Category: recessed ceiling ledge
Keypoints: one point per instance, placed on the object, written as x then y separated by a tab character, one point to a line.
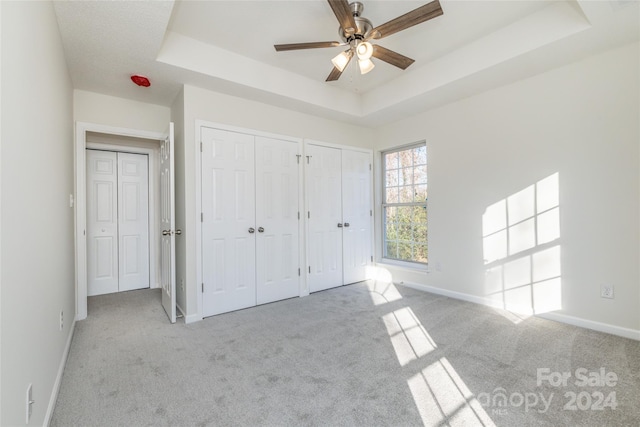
553	23
194	55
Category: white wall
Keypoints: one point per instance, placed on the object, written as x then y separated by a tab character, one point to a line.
200	104
108	110
580	121
0	213
37	223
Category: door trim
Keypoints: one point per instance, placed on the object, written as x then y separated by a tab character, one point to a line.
80	211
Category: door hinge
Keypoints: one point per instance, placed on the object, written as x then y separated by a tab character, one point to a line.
308	157
371	258
298	157
369	166
201	216
309	269
203	287
370	212
201	146
298	271
309	214
298	215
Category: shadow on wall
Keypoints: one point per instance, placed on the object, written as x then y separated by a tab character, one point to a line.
521	246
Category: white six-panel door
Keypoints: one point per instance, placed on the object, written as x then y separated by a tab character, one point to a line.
324	217
117	222
133	222
277	255
228	223
102	222
250	237
356	214
168	225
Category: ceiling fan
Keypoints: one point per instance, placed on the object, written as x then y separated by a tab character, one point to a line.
356	31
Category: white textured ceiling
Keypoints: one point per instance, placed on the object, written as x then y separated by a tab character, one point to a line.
228	46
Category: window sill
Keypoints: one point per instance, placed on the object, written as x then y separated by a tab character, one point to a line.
409	266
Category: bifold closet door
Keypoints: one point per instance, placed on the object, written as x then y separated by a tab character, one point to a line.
228	221
102	222
277	255
133	221
324	216
117	222
356	215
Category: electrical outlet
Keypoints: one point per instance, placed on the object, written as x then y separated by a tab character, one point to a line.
61	319
29	403
606	291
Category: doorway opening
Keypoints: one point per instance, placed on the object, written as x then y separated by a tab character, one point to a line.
112	140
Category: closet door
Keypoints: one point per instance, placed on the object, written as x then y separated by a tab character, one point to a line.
324	217
133	221
102	222
228	229
356	215
277	254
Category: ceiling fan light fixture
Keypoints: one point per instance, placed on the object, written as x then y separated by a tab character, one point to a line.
341	60
364	50
366	65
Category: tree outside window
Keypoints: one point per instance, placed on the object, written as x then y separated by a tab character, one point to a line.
405	204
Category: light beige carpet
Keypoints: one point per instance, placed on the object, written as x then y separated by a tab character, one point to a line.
365	354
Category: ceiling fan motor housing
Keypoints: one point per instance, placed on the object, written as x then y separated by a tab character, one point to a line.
363	25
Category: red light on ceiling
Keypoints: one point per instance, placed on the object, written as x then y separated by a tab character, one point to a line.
140	80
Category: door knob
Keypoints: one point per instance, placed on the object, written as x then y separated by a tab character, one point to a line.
346	224
178	231
251	230
339	225
166	232
260	230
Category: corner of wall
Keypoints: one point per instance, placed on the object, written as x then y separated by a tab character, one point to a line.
33	343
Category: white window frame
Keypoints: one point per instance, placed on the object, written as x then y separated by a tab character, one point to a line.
384	205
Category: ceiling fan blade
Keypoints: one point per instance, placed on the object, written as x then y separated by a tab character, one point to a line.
415	17
343	12
391	57
311	45
334	75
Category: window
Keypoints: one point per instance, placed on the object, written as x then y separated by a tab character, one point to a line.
405	204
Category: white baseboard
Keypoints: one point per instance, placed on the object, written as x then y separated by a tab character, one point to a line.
192	318
58	381
633	334
187	319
